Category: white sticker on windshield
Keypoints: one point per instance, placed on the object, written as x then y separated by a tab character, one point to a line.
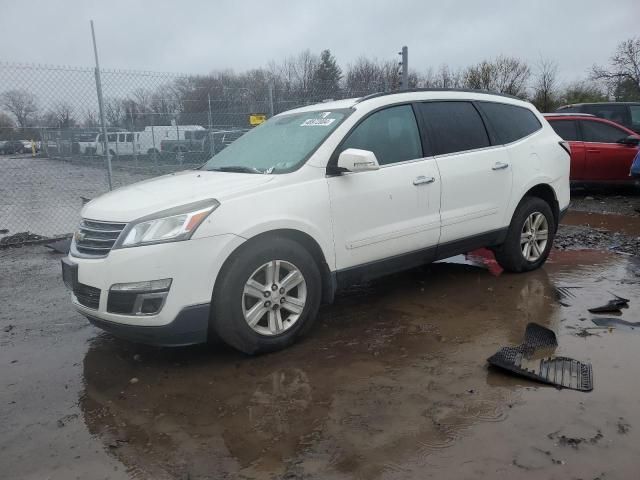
318	122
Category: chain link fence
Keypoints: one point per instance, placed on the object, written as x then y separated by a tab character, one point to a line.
53	154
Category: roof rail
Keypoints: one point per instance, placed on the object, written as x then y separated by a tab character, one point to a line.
411	90
568	114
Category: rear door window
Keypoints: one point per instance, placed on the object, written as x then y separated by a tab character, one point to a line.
454	126
129	137
121	137
600	132
510	122
392	134
567	129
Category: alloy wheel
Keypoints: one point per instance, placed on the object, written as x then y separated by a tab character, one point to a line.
534	236
274	297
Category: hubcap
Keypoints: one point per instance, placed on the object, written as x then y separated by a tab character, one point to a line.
534	236
274	297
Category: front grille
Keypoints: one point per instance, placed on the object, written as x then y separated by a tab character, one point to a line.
87	296
95	238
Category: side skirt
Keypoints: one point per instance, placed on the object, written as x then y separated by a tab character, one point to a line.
379	268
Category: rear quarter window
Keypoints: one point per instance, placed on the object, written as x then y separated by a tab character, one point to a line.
566	129
510	122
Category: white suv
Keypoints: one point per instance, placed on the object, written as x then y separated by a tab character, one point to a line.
248	246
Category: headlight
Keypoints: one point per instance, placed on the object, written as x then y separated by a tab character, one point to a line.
170	225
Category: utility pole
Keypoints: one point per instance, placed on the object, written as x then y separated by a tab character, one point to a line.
101	108
404	83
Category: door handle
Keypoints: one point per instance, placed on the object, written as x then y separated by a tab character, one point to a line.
422	180
592	150
499	166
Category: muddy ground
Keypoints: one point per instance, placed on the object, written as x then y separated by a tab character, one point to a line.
391	382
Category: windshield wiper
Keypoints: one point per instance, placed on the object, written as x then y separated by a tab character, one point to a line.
237	169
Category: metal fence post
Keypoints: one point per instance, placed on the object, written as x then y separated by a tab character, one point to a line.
133	141
101	108
212	151
271	112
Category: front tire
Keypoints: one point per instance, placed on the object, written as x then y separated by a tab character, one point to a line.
267	296
529	238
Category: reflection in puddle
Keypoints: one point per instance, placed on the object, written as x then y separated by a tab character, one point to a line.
390	374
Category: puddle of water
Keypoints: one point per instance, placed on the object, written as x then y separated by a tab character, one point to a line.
610	222
390	383
392	379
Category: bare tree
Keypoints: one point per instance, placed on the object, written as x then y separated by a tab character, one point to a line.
90	118
367	76
443	77
64	114
503	75
21	103
581	92
623	71
6	126
298	72
545	85
114	111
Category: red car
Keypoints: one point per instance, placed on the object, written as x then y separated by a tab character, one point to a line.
601	150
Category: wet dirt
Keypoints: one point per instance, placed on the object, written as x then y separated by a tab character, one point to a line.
391	382
613	200
626	224
592	230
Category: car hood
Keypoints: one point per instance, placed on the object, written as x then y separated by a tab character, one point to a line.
150	196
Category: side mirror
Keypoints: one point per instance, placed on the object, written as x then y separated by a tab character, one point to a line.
631	141
356	160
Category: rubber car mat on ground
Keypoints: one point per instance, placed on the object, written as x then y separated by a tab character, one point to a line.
614	305
562	372
536	336
613	322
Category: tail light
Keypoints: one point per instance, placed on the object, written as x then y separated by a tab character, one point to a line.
566	146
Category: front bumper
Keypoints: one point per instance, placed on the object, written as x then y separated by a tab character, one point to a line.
190	327
192	265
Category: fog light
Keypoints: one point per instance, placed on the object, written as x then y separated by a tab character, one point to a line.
148	286
138	298
151	305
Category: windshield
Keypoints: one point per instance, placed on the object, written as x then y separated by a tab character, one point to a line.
279	145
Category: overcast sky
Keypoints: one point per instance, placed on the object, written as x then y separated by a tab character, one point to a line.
203	36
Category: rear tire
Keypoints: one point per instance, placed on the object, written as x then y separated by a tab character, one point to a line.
236	303
529	238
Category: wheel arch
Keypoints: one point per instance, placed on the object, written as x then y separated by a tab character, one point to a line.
548	194
304	240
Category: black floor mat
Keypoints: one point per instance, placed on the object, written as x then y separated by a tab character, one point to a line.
60	246
562	372
612	306
617	323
